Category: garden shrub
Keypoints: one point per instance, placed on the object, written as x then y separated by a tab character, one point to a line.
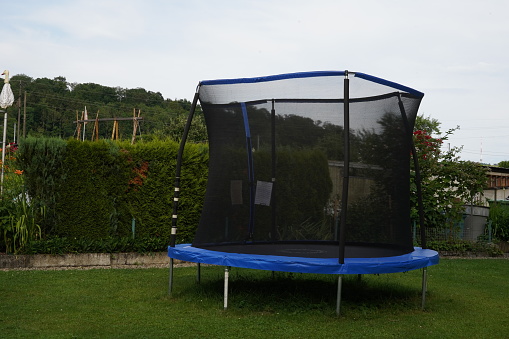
41	160
94	190
499	216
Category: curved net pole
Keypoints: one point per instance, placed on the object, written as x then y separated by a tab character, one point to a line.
178	168
417	171
346	168
176	194
250	169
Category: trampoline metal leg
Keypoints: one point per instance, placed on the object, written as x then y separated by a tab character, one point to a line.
424	286
226	276
338	298
170	283
198	273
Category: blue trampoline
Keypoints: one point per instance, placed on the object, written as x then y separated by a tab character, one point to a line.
308	172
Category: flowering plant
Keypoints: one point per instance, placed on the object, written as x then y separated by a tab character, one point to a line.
448	183
17	216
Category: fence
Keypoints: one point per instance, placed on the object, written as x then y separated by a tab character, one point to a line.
474	226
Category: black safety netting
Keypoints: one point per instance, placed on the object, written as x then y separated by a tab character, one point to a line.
277	165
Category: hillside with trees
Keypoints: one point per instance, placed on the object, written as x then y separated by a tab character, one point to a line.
52	106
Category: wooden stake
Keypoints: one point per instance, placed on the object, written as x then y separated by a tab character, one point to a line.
138	123
78	137
96	128
135	125
114	133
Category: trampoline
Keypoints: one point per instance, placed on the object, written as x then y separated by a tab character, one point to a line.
309	173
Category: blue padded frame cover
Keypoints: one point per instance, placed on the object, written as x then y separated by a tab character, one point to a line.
417	259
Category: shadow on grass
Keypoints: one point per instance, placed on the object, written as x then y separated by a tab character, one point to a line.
255	291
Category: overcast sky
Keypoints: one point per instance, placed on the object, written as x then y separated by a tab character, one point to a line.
455	51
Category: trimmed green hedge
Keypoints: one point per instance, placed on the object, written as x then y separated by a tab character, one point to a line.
56	245
94	189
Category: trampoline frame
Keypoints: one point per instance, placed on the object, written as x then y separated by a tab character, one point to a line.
420	258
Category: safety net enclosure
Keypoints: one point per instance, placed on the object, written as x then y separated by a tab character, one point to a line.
307	166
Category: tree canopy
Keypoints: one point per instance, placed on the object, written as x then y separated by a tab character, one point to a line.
504	164
53	106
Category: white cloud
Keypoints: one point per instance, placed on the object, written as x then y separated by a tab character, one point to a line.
454	51
116	20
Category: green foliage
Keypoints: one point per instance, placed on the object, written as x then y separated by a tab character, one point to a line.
428	124
93	190
499	216
302	191
95	179
150	195
63	245
52	106
464	247
42	162
504	164
174	128
22	226
18	215
448	183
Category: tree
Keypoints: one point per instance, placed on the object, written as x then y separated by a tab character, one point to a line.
448	183
94	93
504	164
53	105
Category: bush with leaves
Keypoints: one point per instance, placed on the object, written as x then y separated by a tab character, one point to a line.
94	190
18	215
499	216
448	183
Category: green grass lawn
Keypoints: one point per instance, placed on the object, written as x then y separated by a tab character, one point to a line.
468	298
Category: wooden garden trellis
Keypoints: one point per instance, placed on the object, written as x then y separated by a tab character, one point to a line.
115	134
